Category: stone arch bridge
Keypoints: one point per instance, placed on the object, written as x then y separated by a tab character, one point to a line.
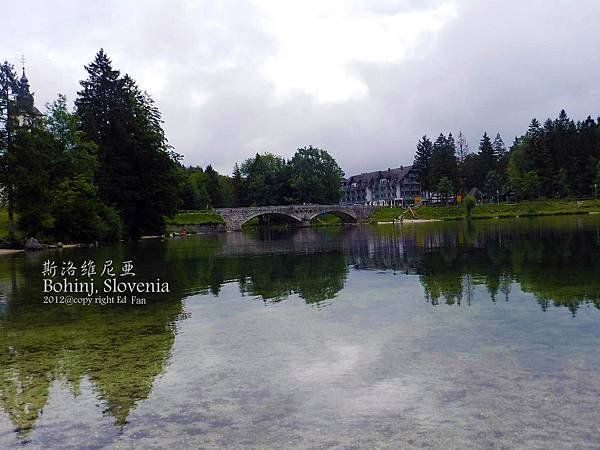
299	214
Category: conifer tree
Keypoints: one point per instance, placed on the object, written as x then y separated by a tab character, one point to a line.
8	84
238	186
487	155
587	156
443	160
499	147
422	162
137	168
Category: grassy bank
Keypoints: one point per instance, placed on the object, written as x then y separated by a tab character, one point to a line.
196	218
326	220
521	209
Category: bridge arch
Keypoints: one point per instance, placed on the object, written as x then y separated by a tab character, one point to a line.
290	218
344	216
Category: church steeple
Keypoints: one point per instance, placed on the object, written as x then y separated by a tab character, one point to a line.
24	100
24	82
24	97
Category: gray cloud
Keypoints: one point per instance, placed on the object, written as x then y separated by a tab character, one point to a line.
486	66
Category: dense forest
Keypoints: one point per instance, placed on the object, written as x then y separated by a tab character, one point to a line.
558	159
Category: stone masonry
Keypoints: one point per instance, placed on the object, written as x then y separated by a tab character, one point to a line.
301	214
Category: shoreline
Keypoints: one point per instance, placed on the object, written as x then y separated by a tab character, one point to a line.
10	251
499	216
396	222
491	211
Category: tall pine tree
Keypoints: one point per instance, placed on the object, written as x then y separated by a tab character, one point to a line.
487	156
422	162
443	160
137	169
499	147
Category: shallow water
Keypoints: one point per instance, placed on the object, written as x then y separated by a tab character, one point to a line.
437	335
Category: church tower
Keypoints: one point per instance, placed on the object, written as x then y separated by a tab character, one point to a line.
26	111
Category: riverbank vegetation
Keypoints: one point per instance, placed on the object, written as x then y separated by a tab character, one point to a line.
326	220
195	218
485	211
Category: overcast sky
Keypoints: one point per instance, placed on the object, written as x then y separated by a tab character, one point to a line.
362	79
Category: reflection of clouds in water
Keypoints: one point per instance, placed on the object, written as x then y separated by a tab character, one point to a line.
391	395
307	377
335	361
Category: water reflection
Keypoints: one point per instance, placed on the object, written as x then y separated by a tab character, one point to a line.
556	259
122	350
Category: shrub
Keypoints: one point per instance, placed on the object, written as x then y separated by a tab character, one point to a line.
469	203
111	228
80	216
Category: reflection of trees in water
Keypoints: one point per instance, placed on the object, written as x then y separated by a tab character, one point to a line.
553	258
120	349
314	277
121	356
270	265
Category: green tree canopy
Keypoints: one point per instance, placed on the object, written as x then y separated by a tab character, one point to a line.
493	183
266	180
443	160
315	176
445	188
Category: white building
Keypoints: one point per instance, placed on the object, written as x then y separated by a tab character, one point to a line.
391	187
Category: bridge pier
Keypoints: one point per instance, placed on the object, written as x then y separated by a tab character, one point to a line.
233	226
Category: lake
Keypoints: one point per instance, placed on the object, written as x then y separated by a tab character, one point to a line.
432	335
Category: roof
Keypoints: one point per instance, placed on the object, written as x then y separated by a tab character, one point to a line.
366	177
